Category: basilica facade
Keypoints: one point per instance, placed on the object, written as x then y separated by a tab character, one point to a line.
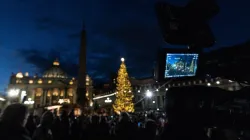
50	90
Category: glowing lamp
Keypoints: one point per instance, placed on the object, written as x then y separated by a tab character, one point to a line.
149	94
108	100
218	82
13	92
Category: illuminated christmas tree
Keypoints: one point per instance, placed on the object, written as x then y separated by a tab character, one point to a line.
124	95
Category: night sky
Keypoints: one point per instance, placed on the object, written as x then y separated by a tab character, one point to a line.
35	32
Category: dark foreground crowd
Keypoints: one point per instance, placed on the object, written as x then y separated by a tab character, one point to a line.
17	124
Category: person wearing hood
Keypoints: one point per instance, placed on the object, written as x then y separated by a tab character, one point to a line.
43	131
12	122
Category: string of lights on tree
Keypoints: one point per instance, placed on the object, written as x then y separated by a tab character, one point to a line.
124	95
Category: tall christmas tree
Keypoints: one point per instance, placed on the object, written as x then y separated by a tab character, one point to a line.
124	95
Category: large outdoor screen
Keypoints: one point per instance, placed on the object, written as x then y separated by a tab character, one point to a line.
180	65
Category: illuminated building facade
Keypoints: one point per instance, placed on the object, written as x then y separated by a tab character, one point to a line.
53	88
158	90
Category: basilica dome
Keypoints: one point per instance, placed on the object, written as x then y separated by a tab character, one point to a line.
55	71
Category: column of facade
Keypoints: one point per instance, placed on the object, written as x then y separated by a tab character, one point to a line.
41	98
51	95
74	96
143	103
44	97
161	101
156	101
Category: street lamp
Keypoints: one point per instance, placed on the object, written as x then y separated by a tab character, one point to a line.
2	99
29	102
13	92
23	94
108	100
149	94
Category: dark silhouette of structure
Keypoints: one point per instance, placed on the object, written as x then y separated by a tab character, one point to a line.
81	87
187	25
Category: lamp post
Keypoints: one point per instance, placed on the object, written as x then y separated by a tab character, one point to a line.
29	102
13	92
108	100
13	95
149	94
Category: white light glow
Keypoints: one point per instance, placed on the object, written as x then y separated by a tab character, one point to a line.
108	100
122	59
218	82
2	99
149	93
61	101
29	102
153	102
158	109
19	75
23	93
208	84
230	81
104	96
91	104
138	91
54	107
13	92
157	89
166	89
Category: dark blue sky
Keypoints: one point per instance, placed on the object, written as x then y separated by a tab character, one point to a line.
34	32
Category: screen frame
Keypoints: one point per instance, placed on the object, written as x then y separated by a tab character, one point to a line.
183	76
161	63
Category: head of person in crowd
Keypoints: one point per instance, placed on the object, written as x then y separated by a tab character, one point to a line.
15	114
95	119
47	119
124	117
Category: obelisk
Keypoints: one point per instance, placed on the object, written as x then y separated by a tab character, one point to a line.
81	87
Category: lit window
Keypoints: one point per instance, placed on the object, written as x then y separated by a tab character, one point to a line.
30	81
38	94
55	93
87	78
26	74
40	81
62	93
49	82
70	94
18	81
71	82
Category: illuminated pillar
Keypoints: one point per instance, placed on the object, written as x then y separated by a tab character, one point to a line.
81	87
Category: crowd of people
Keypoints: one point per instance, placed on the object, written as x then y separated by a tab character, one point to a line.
16	123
